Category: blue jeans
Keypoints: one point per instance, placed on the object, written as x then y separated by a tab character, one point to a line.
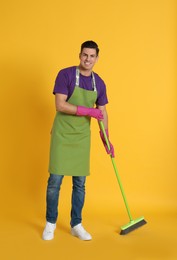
78	197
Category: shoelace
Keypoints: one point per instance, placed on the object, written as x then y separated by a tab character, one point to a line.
50	228
82	229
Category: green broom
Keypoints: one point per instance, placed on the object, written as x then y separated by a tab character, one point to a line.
134	223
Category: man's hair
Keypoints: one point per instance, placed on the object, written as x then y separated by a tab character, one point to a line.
91	45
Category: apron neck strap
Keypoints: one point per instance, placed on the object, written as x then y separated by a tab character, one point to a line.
93	79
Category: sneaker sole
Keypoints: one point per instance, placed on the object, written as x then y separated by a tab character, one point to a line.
75	235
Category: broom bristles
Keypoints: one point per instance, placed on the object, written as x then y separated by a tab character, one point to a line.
132	227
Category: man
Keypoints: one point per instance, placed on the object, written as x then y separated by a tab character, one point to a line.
77	89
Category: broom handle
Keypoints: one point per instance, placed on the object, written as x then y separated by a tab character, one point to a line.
116	171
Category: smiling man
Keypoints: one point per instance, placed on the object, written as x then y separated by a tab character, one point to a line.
88	58
80	94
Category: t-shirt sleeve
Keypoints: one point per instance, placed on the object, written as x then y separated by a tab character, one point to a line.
102	95
61	83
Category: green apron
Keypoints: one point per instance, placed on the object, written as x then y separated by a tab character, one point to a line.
70	138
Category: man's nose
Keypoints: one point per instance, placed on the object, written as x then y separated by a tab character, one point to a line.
88	58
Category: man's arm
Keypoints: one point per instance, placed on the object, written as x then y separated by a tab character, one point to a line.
105	123
63	106
105	116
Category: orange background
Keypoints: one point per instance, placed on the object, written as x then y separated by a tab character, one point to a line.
137	41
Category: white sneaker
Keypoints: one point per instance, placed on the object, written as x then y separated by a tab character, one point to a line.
80	232
48	233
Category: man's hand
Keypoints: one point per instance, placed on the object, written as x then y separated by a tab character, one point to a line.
92	112
111	151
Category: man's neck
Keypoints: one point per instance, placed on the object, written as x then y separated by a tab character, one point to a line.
85	72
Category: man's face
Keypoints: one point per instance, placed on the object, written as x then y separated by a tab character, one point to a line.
88	58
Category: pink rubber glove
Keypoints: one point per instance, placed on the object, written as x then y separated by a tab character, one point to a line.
92	112
111	151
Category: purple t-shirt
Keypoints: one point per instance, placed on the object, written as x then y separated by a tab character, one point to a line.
66	80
